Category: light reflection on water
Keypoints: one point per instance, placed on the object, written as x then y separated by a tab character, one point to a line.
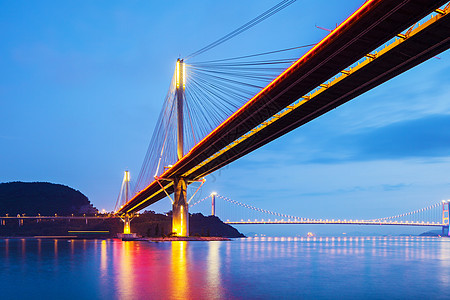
260	267
179	278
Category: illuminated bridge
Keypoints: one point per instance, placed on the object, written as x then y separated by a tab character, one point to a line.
238	213
218	111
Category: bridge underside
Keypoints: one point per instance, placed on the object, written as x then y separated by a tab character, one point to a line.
373	24
400	57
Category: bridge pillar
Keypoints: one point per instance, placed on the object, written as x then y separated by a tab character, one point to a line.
213	204
445	212
445	217
180	84
127	235
126	224
180	209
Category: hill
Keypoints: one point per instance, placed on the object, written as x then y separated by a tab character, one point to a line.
151	224
434	233
200	225
32	198
148	224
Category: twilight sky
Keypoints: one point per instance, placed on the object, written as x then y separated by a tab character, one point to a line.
82	84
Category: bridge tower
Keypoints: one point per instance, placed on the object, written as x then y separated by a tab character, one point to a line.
213	203
126	190
445	217
123	198
180	209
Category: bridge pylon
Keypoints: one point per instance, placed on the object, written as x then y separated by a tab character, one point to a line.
180	207
123	198
213	203
445	217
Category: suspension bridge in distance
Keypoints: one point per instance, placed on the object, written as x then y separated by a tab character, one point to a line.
379	41
435	215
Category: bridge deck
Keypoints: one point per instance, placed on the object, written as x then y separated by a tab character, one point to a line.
369	27
423	43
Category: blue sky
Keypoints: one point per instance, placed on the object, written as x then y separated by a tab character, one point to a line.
82	84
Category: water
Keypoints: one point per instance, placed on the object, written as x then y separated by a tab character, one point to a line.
253	268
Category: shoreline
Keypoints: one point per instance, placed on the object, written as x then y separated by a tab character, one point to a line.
146	239
195	238
188	239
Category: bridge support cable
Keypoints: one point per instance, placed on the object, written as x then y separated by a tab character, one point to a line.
430	214
273	10
199	201
262	211
205	102
162	148
247	212
435	215
124	194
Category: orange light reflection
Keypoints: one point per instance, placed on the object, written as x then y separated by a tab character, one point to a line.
179	271
214	278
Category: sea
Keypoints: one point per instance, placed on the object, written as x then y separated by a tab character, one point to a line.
248	268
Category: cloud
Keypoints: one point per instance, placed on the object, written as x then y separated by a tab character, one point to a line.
406	97
427	137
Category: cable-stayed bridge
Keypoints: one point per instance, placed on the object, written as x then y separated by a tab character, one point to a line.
239	213
218	111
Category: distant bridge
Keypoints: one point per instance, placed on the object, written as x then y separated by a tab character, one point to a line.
38	218
339	222
435	215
